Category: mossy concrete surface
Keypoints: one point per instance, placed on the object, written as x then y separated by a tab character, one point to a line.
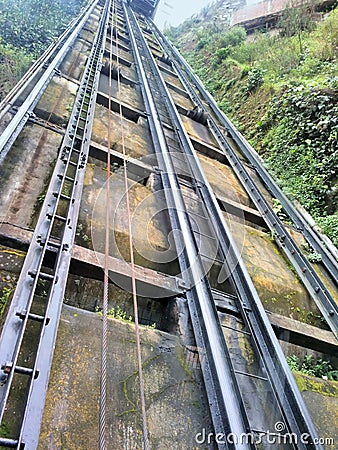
318	267
150	226
276	282
197	130
125	93
321	398
57	101
223	180
179	99
175	402
74	63
136	137
25	173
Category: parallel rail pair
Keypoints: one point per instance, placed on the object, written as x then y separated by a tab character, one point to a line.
326	304
32	321
34	83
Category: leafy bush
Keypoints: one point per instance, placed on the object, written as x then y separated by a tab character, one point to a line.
302	145
222	53
233	37
315	257
254	80
33	24
313	367
329	226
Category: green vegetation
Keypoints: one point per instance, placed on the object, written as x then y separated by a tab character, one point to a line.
329	226
116	313
119	314
5	430
313	367
33	24
281	90
312	256
6	293
27	27
14	62
320	386
81	234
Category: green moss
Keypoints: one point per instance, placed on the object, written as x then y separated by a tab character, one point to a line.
125	384
6	293
5	430
246	349
182	360
323	387
300	381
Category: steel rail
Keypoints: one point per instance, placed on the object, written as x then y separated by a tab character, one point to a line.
16	124
285	389
316	288
326	249
20	310
226	405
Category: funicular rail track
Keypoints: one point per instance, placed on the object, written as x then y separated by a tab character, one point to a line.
202	239
283	238
200	299
34	83
204	100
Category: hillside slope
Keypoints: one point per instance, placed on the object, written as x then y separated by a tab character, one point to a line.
281	90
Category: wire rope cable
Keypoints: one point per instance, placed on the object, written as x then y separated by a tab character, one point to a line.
146	445
104	339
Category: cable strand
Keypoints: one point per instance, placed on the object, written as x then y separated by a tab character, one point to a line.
146	445
104	341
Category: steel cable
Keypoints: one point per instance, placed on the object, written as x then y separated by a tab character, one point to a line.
104	341
146	445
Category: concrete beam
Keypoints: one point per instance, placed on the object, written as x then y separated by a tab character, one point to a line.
304	335
153	284
239	210
286	329
88	263
139	170
128	111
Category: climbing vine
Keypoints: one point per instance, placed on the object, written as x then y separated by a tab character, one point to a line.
301	145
